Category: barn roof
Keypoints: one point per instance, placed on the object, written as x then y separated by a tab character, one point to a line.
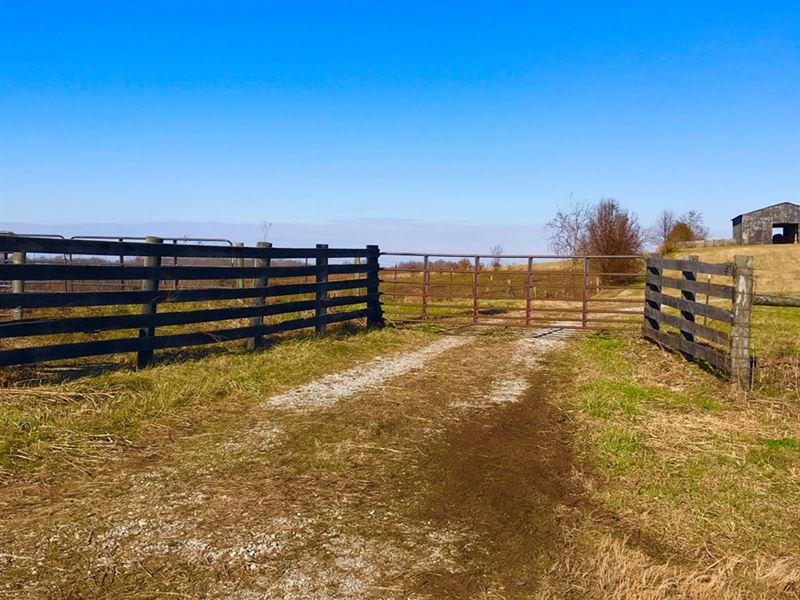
758	210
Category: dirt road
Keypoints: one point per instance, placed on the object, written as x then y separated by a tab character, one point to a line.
441	472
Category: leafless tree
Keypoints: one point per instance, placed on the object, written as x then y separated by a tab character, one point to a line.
694	220
658	233
666	222
568	229
496	252
613	230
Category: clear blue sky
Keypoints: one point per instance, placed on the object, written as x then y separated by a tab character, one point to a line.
307	112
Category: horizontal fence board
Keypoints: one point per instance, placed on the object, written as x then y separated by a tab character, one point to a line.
776	300
672	340
693	266
698	308
699	287
13	243
76	299
135	321
710	334
94	272
22	356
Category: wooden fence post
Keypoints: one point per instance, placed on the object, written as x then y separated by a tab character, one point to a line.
122	264
652	269
258	340
322	290
18	285
375	318
741	369
145	357
175	282
239	262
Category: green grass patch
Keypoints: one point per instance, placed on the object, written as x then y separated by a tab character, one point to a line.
606	398
678	453
79	417
776	452
618	450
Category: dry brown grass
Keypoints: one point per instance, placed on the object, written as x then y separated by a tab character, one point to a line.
612	568
777	267
696	485
607	469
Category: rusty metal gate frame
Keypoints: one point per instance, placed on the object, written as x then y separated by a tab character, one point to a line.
588	317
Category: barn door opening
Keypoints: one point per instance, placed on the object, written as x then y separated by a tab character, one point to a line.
785	233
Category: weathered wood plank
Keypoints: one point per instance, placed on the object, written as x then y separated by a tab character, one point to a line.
741	361
696	329
13	243
693	266
260	282
716	359
151	320
18	286
651	268
75	299
38	354
43	272
703	310
322	270
145	357
373	289
699	287
776	300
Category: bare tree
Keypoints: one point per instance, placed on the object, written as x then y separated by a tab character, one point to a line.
694	220
568	229
496	252
613	230
658	233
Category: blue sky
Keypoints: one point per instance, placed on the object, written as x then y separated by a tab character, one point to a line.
477	113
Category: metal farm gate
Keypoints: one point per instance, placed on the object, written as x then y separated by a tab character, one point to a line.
537	291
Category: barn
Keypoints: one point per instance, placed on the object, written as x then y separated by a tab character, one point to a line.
776	224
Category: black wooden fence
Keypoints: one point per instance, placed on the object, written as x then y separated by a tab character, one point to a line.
341	285
723	338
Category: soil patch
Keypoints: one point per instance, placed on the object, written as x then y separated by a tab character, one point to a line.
504	474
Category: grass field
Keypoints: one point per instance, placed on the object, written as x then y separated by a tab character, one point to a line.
593	466
401	463
777	268
703	476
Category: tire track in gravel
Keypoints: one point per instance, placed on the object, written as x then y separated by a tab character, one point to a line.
408	489
163	520
381	481
332	388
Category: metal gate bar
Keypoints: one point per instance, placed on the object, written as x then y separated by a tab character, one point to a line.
571	292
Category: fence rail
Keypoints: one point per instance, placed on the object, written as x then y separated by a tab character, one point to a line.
725	342
261	289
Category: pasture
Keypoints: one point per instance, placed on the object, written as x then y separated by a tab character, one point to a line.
406	462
